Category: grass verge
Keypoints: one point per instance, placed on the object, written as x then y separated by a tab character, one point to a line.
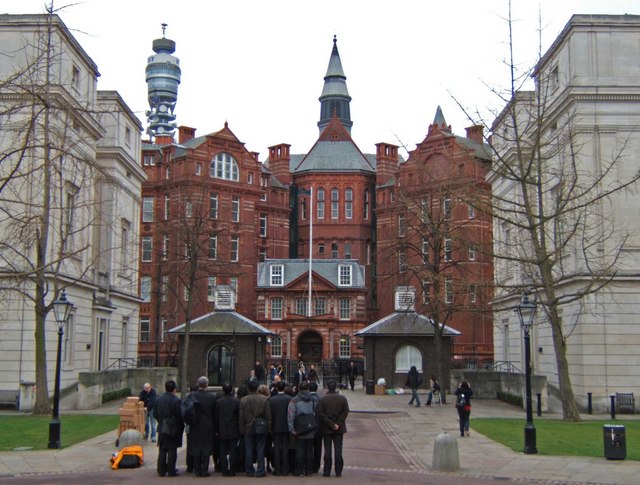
33	431
559	437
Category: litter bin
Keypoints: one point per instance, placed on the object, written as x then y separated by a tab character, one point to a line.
370	386
615	443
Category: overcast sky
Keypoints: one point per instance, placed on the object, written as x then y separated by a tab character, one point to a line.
260	64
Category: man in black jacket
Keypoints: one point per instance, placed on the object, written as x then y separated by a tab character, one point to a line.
201	437
148	397
279	405
171	428
227	431
333	410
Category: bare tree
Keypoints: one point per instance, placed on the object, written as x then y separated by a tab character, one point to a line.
554	233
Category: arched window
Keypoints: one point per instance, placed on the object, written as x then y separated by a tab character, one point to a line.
407	356
224	166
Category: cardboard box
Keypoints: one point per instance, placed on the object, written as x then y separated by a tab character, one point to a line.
380	390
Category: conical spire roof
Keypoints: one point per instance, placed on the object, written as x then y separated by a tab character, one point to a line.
335	95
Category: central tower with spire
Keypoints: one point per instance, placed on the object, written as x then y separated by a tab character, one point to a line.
335	95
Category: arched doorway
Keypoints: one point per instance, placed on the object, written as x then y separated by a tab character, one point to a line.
219	365
310	346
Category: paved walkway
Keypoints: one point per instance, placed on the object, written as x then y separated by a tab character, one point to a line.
411	430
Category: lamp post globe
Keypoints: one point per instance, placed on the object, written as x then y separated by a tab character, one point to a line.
61	310
526	312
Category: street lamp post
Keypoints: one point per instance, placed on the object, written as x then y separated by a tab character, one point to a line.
61	310
526	312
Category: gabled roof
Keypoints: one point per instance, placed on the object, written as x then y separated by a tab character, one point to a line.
222	323
405	323
324	268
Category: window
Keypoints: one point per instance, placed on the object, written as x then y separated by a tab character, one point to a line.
303	209
187	293
163	329
235	246
75	78
145	288
167	172
345	347
263	196
233	283
165	288
276	347
147	248
124	338
224	166
473	293
446	207
448	289
165	247
344	275
320	198
167	206
554	78
198	169
262	255
276	275
188	209
402	260
426	288
276	308
211	288
365	213
235	209
263	225
127	136
213	206
145	329
345	309
147	160
472	211
320	306
321	248
425	251
348	204
334	250
147	209
250	178
347	250
124	244
472	253
448	251
213	246
302	305
407	356
424	211
392	196
69	333
402	225
335	201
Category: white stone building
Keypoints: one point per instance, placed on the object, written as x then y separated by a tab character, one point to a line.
587	84
64	141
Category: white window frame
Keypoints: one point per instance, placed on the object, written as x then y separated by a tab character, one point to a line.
302	306
344	347
235	208
348	203
320	306
145	288
276	310
263	225
213	205
165	247
344	309
147	209
211	288
448	289
335	203
235	248
448	249
472	253
276	275
276	346
446	208
167	206
147	248
345	275
213	247
320	200
225	167
471	211
406	357
365	213
144	335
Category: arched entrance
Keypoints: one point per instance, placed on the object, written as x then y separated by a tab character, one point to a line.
310	346
219	365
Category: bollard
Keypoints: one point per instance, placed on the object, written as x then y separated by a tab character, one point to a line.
539	407
445	453
613	406
589	404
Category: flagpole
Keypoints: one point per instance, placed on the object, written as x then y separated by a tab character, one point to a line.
310	246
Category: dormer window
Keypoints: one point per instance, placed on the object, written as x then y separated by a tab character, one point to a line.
276	275
344	275
405	298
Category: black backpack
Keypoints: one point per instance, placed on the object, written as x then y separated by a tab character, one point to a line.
189	411
461	402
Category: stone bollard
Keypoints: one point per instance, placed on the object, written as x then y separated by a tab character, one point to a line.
130	437
445	453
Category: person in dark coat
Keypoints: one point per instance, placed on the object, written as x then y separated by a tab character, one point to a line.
171	429
148	396
279	405
333	410
353	374
227	431
260	373
302	404
299	377
201	435
414	381
254	406
464	393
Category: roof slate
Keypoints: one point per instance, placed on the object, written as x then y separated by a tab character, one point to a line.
405	323
222	323
325	268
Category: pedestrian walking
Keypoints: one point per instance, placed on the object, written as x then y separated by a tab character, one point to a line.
254	407
148	396
434	388
333	410
301	412
279	405
171	428
260	373
201	431
353	374
227	430
463	405
414	381
299	377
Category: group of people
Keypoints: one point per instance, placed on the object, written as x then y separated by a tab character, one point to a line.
463	396
277	428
